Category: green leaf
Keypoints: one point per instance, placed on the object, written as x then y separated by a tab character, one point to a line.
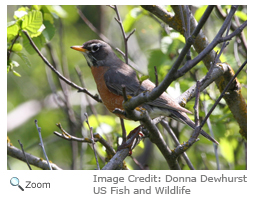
133	15
36	7
144	77
137	74
38	41
199	13
165	43
227	149
24	58
17	47
241	15
16	73
12	32
10	65
49	31
26	44
72	13
170	44
158	59
32	23
48	17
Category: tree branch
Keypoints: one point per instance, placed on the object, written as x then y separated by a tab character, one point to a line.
33	160
21	146
157	91
171	133
215	72
80	89
235	101
223	93
41	144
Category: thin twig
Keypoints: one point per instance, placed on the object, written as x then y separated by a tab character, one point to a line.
95	30
183	21
97	138
196	106
215	146
184	27
223	45
93	110
156	76
132	32
218	39
21	146
92	27
215	71
126	38
69	137
187	10
12	44
194	137
186	145
122	152
233	27
108	147
67	108
236	54
80	89
91	133
242	37
233	34
223	93
42	146
138	163
171	133
119	21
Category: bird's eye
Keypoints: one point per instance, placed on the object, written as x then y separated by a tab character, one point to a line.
95	47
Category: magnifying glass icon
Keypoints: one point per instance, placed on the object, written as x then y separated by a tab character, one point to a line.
15	182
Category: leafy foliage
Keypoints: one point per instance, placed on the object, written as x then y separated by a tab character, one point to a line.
45	25
29	20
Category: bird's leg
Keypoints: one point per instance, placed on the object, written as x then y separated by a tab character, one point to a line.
133	135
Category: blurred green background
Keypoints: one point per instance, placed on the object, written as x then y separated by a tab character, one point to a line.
32	96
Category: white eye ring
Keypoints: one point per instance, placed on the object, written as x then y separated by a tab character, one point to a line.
95	47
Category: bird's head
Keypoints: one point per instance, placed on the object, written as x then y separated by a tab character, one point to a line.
96	52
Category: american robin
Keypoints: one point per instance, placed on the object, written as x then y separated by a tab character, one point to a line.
111	73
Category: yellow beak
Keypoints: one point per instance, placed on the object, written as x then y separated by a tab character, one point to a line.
79	48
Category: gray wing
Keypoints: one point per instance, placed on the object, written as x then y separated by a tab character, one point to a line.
115	79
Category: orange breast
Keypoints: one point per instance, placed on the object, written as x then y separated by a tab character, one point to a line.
109	99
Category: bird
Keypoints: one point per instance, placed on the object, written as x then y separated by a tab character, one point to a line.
111	74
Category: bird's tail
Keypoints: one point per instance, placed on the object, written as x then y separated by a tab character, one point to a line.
182	117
